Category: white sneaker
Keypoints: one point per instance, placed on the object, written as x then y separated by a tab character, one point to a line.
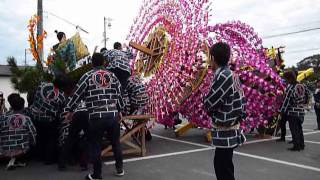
10	165
89	177
119	173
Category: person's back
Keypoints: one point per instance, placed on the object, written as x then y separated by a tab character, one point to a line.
48	102
297	96
293	107
118	62
17	132
137	93
119	59
101	92
99	89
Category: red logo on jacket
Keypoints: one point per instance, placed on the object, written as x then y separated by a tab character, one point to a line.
101	78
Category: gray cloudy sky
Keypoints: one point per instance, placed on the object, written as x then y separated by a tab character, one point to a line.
268	17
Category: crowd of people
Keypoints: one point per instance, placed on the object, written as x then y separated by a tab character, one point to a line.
63	115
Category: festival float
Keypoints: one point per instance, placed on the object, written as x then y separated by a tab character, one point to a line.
172	39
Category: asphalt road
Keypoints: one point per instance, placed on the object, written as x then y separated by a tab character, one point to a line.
189	157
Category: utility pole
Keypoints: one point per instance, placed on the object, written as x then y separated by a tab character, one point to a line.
105	32
40	27
106	23
25	57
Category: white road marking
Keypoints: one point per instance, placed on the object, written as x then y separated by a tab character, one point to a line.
261	157
274	138
313	124
312	142
181	141
162	155
260	140
310	133
248	142
309	130
206	148
278	161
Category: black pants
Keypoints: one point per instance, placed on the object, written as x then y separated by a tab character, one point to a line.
97	127
295	124
282	124
79	122
122	76
317	110
223	164
47	140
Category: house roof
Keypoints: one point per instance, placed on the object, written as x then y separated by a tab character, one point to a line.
5	70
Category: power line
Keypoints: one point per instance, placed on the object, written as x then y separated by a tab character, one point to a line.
290	33
302	50
67	21
296	25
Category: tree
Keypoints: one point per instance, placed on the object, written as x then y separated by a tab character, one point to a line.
26	79
310	62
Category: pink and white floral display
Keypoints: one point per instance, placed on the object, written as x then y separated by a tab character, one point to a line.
186	25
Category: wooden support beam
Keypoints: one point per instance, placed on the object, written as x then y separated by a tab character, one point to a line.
124	152
143	142
124	138
141	48
138	117
209	136
183	129
138	144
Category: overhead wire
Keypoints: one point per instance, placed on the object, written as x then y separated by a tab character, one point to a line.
296	25
66	21
290	33
303	50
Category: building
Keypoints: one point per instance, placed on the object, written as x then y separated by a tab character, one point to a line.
5	83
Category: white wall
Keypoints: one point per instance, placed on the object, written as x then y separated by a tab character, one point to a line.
7	89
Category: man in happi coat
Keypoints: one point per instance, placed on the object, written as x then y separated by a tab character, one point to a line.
225	105
297	96
49	101
118	62
100	89
138	96
17	133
